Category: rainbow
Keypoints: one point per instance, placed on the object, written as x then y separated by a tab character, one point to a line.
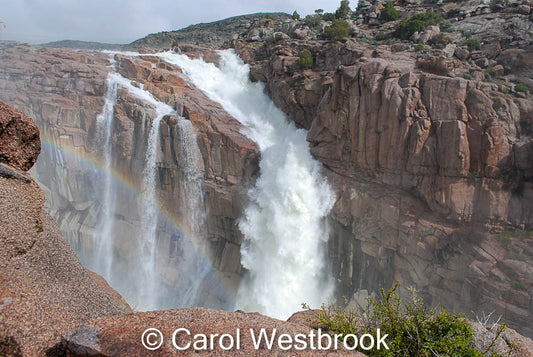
124	181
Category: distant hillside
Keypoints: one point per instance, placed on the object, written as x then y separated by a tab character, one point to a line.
83	45
207	34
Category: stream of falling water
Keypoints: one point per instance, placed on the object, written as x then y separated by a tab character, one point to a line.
284	224
144	290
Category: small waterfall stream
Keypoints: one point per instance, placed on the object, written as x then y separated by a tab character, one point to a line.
144	290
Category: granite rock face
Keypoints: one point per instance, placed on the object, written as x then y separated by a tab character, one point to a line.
433	173
44	290
121	335
20	144
63	90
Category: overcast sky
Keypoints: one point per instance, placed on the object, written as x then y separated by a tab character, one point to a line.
119	21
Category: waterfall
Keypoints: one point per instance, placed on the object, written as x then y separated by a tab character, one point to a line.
103	237
284	223
144	290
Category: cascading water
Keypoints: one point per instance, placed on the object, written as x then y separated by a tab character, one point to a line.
284	224
103	237
144	291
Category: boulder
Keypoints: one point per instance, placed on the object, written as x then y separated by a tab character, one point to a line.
20	143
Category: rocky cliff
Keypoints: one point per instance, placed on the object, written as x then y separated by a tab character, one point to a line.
44	290
63	91
428	148
433	173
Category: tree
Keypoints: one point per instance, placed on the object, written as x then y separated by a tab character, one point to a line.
306	60
337	31
389	13
344	11
296	15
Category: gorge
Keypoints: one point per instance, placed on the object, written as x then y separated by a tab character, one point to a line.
227	175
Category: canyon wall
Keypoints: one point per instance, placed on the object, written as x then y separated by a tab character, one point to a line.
433	174
63	90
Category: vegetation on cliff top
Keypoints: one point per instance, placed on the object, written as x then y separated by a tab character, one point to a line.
413	330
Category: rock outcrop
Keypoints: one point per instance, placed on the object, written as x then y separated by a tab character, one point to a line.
63	90
433	173
44	290
121	335
428	147
20	144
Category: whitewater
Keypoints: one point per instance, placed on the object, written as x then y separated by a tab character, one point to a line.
284	224
144	290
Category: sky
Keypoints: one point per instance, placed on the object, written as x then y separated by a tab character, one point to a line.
123	21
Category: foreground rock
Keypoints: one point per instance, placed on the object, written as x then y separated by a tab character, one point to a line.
44	290
19	138
122	335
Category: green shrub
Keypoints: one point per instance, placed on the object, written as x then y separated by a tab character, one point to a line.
419	47
518	285
380	36
296	15
520	88
389	13
337	30
313	20
412	329
269	17
417	23
489	72
344	11
446	26
175	44
306	60
472	176
472	44
328	16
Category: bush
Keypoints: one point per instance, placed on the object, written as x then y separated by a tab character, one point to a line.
472	44
440	40
435	65
296	15
306	60
313	20
412	329
344	11
419	47
520	88
417	23
518	285
337	31
269	17
446	26
380	36
491	73
328	16
389	13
